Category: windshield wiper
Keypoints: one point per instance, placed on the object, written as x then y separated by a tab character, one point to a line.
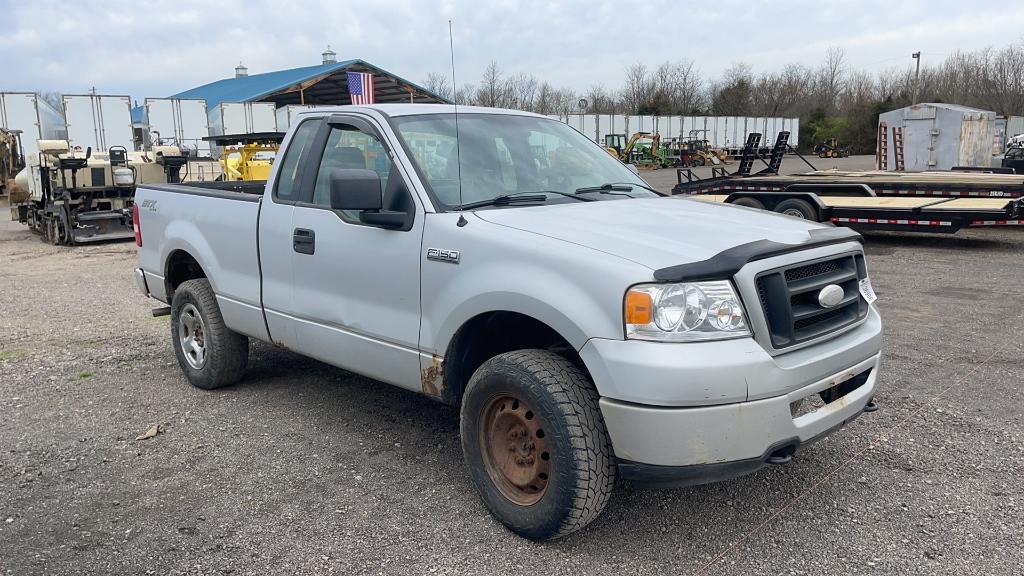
518	198
613	187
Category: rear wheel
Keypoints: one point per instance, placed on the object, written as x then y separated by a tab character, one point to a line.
797	208
748	202
535	443
209	353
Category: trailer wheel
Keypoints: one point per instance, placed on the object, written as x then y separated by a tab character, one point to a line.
209	353
536	444
748	202
797	208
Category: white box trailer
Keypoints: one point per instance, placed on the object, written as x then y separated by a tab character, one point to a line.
181	122
33	116
229	118
286	114
99	121
938	136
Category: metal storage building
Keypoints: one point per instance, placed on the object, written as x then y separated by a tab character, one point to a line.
936	136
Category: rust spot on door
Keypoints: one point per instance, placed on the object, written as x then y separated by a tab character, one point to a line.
432	378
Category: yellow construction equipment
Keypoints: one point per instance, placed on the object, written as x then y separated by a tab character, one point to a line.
248	156
630	153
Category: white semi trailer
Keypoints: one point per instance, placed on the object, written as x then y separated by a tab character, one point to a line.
179	122
33	117
98	121
235	118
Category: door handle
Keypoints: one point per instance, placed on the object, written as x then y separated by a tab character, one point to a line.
304	241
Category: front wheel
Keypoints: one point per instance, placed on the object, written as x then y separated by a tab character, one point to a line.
536	444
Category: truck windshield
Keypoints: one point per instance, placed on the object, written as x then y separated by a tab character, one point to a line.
502	155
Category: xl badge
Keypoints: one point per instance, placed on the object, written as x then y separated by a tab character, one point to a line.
442	255
831	296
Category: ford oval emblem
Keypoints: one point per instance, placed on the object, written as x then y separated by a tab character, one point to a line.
831	296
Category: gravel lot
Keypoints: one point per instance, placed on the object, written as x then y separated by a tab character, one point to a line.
304	468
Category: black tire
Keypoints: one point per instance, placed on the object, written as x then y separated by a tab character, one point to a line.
226	353
797	208
570	440
748	202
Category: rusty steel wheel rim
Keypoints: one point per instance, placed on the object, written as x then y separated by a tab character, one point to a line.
516	455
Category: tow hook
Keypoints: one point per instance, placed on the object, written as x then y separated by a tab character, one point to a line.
871	406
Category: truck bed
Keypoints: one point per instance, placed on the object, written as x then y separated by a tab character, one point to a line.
212	221
249	190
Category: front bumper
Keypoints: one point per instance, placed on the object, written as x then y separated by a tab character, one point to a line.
664	447
681	414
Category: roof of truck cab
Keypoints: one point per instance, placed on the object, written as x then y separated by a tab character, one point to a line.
395	110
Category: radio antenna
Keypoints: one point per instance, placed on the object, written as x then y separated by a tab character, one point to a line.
455	105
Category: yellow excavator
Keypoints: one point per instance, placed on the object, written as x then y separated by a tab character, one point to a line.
619	147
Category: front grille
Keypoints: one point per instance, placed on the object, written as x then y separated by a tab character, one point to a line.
789	297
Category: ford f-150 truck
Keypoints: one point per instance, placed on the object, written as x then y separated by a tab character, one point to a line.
587	327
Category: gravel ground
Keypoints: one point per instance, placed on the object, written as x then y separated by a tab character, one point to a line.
304	468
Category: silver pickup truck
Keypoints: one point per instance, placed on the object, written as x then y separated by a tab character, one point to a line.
587	327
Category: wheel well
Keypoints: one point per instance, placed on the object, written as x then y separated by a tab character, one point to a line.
492	333
181	266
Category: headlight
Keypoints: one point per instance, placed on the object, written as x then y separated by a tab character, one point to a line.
689	312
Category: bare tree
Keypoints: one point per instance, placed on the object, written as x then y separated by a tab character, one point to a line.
732	95
438	84
830	78
489	93
636	89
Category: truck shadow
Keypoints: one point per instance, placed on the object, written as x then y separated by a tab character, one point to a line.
420	437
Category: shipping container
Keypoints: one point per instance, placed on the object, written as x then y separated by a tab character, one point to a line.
98	121
939	136
33	116
182	122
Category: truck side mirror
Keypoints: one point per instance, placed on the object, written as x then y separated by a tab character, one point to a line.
359	189
355	189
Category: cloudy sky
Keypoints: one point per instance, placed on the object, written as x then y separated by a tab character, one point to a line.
145	48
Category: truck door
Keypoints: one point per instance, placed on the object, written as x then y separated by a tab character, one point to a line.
356	287
275	233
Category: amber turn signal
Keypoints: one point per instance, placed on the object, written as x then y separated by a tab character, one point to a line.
638	307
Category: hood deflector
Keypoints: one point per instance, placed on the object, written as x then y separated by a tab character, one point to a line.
727	263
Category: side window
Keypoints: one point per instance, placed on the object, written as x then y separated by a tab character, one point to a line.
288	177
348	147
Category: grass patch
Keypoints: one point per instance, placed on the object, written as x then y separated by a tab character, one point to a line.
9	355
86	374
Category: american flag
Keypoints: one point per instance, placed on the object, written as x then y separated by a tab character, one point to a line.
360	87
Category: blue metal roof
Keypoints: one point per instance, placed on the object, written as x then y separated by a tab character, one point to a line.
256	86
249	88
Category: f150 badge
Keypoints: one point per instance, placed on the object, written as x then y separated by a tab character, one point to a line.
442	255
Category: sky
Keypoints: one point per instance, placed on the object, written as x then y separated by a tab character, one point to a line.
155	49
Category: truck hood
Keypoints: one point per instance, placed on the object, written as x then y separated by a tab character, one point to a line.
654	232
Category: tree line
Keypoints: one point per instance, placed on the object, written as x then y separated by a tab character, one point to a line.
832	99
